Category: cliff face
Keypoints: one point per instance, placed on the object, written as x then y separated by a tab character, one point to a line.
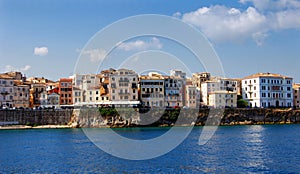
154	117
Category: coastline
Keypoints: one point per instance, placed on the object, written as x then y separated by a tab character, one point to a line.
23	127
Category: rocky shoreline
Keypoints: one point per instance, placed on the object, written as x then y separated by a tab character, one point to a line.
78	118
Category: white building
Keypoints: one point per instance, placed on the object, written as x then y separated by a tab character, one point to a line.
123	86
268	90
296	89
50	100
152	90
222	99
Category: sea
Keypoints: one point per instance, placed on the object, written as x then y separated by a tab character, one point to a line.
232	149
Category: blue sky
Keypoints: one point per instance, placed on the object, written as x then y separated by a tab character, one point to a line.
44	38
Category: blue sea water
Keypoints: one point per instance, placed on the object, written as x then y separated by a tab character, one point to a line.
233	149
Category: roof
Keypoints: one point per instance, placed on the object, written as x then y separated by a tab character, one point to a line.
296	85
65	80
151	78
267	75
5	76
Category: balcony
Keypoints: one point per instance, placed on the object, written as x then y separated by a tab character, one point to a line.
123	93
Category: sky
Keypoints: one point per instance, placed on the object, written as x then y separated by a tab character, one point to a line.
45	38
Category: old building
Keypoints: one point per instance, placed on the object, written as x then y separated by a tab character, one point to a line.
152	90
65	91
21	95
192	95
199	78
123	88
268	90
218	84
174	91
222	99
36	91
296	89
6	91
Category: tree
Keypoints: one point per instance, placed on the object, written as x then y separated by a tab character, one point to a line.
241	103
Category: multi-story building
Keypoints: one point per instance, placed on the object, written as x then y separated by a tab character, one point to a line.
192	96
50	99
174	91
268	90
199	78
152	90
6	91
36	91
222	99
21	95
104	84
218	84
65	91
77	95
123	87
93	95
296	89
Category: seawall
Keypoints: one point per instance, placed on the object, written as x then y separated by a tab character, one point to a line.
35	117
154	117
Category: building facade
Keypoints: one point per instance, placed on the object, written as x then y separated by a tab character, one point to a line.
173	91
296	89
21	96
218	84
152	90
222	99
123	87
199	78
66	91
192	96
6	91
268	90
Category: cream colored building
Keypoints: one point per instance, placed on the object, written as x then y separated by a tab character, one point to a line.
6	91
192	96
152	90
123	87
218	84
222	99
296	89
21	96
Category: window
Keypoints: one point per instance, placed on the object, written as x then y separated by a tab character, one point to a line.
97	98
96	92
133	91
289	95
288	88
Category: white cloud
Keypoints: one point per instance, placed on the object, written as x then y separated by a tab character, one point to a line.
177	15
222	24
40	51
9	68
95	55
154	43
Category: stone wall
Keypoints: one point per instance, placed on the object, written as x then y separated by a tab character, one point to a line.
158	117
35	117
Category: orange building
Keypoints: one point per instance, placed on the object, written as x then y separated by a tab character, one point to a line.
65	91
